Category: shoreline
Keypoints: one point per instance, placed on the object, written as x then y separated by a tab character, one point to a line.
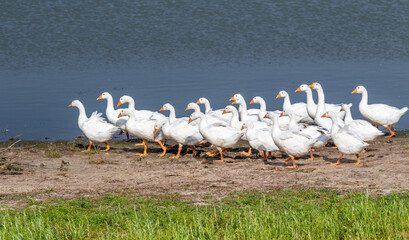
49	170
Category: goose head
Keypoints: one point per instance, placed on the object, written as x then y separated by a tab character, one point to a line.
345	107
192	106
124	99
315	86
303	88
247	125
237	98
229	109
195	115
282	94
104	95
166	107
256	99
159	124
329	114
269	115
124	112
202	100
75	103
359	89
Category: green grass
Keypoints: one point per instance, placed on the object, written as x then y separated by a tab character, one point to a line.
406	146
312	214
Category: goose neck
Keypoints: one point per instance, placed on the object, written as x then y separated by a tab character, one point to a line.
208	108
348	115
364	99
287	102
310	99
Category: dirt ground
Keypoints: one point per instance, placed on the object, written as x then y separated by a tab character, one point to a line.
40	170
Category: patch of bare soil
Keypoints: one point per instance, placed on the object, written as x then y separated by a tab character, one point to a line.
40	171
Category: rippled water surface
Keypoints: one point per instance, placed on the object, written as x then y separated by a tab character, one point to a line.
52	52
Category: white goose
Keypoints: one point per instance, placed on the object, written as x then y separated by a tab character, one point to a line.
219	136
210	112
346	141
234	120
112	114
312	107
211	118
283	121
364	129
245	114
139	114
260	139
95	128
298	108
379	114
321	109
295	144
321	134
180	130
143	129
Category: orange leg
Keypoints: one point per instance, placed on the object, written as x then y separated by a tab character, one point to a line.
338	162
127	137
247	153
212	153
311	156
264	155
392	132
178	154
163	148
203	142
269	154
293	160
121	132
335	147
145	146
357	160
106	149
89	147
193	149
221	155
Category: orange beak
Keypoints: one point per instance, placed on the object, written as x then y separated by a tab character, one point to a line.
234	102
119	103
100	97
70	105
242	127
161	109
156	131
298	89
282	114
265	116
232	99
198	102
324	115
278	96
190	120
252	101
355	91
224	111
312	85
120	115
187	108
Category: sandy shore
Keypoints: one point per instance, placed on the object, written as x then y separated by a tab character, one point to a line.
41	170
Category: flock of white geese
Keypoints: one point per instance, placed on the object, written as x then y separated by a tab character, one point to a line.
295	130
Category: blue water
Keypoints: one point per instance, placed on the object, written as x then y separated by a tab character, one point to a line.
53	52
